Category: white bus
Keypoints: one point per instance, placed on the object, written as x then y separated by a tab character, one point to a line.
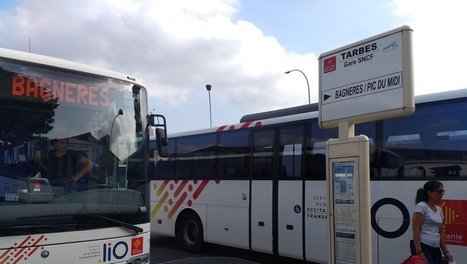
100	214
260	184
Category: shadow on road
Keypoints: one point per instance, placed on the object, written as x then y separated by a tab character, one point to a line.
166	250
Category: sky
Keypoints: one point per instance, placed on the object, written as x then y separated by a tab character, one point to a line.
240	47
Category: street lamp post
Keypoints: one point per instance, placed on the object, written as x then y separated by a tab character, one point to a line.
307	83
208	87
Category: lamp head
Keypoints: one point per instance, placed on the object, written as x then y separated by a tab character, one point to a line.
208	87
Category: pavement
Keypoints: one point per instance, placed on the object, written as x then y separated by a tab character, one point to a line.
209	260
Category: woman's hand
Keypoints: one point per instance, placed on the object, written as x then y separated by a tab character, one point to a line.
75	177
448	256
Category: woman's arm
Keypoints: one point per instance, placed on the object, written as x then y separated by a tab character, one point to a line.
442	242
87	166
41	164
417	222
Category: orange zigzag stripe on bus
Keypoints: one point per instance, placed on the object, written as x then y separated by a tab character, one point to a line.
180	188
200	189
162	187
159	204
177	205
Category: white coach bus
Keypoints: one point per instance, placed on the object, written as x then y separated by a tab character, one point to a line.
73	163
260	184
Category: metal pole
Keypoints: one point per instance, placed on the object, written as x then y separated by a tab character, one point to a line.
208	87
307	83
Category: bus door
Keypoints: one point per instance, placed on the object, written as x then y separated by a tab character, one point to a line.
262	197
290	191
276	191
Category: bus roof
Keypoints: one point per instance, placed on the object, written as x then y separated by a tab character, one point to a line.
304	112
314	107
280	112
64	64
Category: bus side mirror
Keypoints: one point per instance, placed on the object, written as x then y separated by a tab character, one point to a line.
161	142
158	121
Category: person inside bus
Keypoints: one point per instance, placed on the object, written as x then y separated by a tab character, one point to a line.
66	167
427	224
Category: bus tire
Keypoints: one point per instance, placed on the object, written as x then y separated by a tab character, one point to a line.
190	232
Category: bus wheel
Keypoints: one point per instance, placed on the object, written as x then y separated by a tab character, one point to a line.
190	232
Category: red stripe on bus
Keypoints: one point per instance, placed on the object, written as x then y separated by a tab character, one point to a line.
220	129
162	187
5	253
35	246
18	259
246	124
24	241
21	246
177	205
180	188
159	204
200	188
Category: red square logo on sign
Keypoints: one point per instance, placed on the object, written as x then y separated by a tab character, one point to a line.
329	64
136	246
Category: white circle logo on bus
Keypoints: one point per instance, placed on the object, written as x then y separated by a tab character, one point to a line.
405	218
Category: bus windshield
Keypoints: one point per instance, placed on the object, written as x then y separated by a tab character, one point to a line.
71	147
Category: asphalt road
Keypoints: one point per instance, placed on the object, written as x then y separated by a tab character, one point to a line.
165	250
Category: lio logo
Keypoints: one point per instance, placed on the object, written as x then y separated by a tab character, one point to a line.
117	251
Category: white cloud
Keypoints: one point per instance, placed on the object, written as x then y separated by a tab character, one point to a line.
175	46
179	46
438	43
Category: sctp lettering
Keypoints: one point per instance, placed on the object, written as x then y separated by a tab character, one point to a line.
117	251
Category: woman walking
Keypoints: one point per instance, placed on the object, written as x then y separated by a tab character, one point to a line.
427	223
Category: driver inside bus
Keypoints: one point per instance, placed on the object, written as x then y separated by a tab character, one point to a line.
66	167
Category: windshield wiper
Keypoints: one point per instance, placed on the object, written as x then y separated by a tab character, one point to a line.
135	228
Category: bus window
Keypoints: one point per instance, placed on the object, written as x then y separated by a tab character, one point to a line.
263	152
163	165
430	143
291	140
194	157
181	164
233	154
369	130
315	155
